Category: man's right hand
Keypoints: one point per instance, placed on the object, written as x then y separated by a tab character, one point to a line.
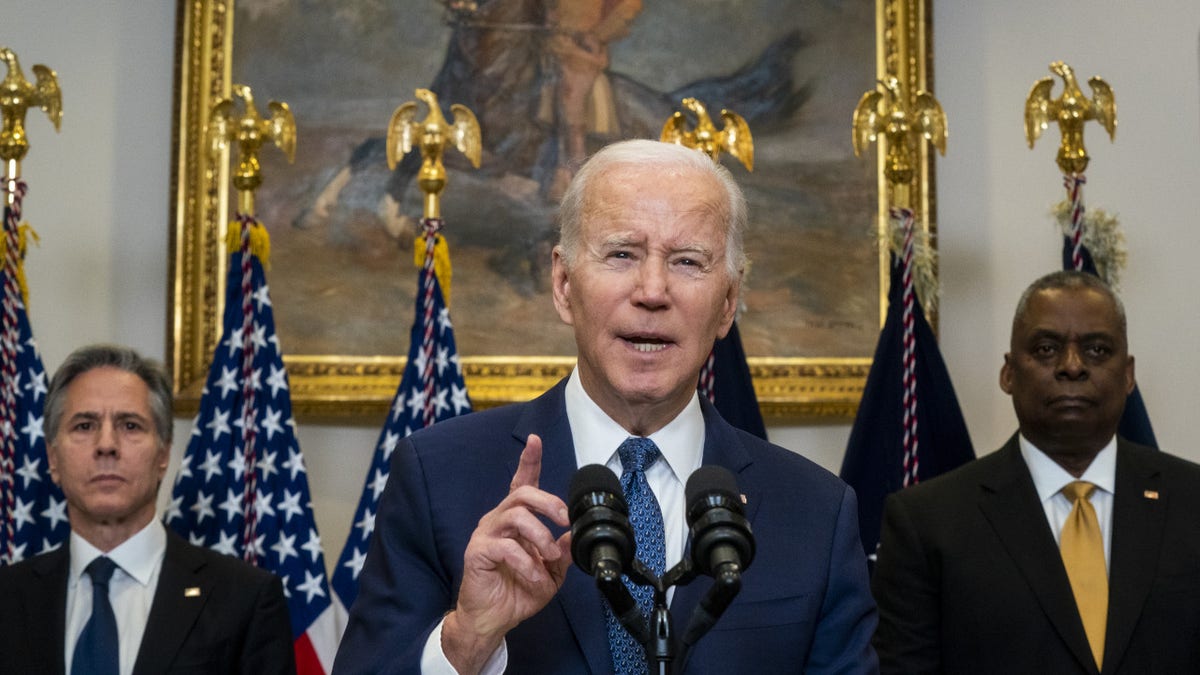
513	566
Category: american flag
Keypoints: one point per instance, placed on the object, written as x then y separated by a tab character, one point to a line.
255	504
33	511
431	390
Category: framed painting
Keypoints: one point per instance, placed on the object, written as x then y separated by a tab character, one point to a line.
342	224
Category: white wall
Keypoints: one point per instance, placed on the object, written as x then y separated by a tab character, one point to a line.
99	197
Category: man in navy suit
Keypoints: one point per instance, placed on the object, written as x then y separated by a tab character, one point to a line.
970	577
171	607
470	566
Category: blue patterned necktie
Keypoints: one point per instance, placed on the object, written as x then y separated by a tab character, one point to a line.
96	650
637	455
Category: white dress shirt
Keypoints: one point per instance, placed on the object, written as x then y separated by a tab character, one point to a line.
1049	479
139	561
596	437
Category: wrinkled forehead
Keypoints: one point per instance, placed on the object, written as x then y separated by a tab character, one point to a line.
630	193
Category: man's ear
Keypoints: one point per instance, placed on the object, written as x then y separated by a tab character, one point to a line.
1130	377
52	462
1006	375
561	283
729	308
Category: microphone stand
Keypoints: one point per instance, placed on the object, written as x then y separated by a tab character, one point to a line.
657	636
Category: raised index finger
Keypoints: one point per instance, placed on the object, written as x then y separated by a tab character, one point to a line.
529	470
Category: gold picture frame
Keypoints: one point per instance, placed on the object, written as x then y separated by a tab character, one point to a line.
341	387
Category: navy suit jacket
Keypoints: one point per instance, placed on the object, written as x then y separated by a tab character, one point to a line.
969	578
237	623
805	604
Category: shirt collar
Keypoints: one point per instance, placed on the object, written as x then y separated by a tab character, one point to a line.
597	436
1049	478
137	556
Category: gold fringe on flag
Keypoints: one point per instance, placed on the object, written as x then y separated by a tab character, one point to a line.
441	262
24	231
1101	235
925	282
260	241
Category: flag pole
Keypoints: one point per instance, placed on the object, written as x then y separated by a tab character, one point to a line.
886	114
432	387
247	132
17	95
432	135
1072	110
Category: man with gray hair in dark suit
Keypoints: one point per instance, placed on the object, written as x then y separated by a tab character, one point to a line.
126	596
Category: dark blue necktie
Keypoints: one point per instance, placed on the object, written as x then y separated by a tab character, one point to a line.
637	455
96	651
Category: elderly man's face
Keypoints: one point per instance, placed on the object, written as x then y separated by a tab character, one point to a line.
106	456
649	290
1069	370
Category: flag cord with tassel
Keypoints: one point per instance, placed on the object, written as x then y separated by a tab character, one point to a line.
1073	182
15	192
246	223
911	463
432	226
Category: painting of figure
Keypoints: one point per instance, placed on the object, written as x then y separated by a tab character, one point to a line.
551	81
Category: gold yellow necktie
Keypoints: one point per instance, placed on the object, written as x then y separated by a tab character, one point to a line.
1082	550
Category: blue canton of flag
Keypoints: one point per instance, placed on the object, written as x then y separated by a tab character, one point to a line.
449	398
208	504
33	508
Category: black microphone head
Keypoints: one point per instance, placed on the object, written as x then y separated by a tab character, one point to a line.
710	486
593	478
717	520
600	530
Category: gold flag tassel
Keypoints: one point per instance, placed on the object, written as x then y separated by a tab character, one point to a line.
23	233
260	241
441	262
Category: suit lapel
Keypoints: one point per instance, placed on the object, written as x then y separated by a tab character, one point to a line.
182	592
1010	504
578	599
1139	513
46	601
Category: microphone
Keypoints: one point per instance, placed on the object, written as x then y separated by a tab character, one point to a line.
722	543
602	543
601	538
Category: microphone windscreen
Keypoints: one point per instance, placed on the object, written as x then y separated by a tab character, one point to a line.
593	478
710	480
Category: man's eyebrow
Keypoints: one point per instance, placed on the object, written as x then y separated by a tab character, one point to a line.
1044	333
618	240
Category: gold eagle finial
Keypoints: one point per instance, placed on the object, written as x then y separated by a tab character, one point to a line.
17	95
1071	110
734	137
885	110
432	135
248	132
